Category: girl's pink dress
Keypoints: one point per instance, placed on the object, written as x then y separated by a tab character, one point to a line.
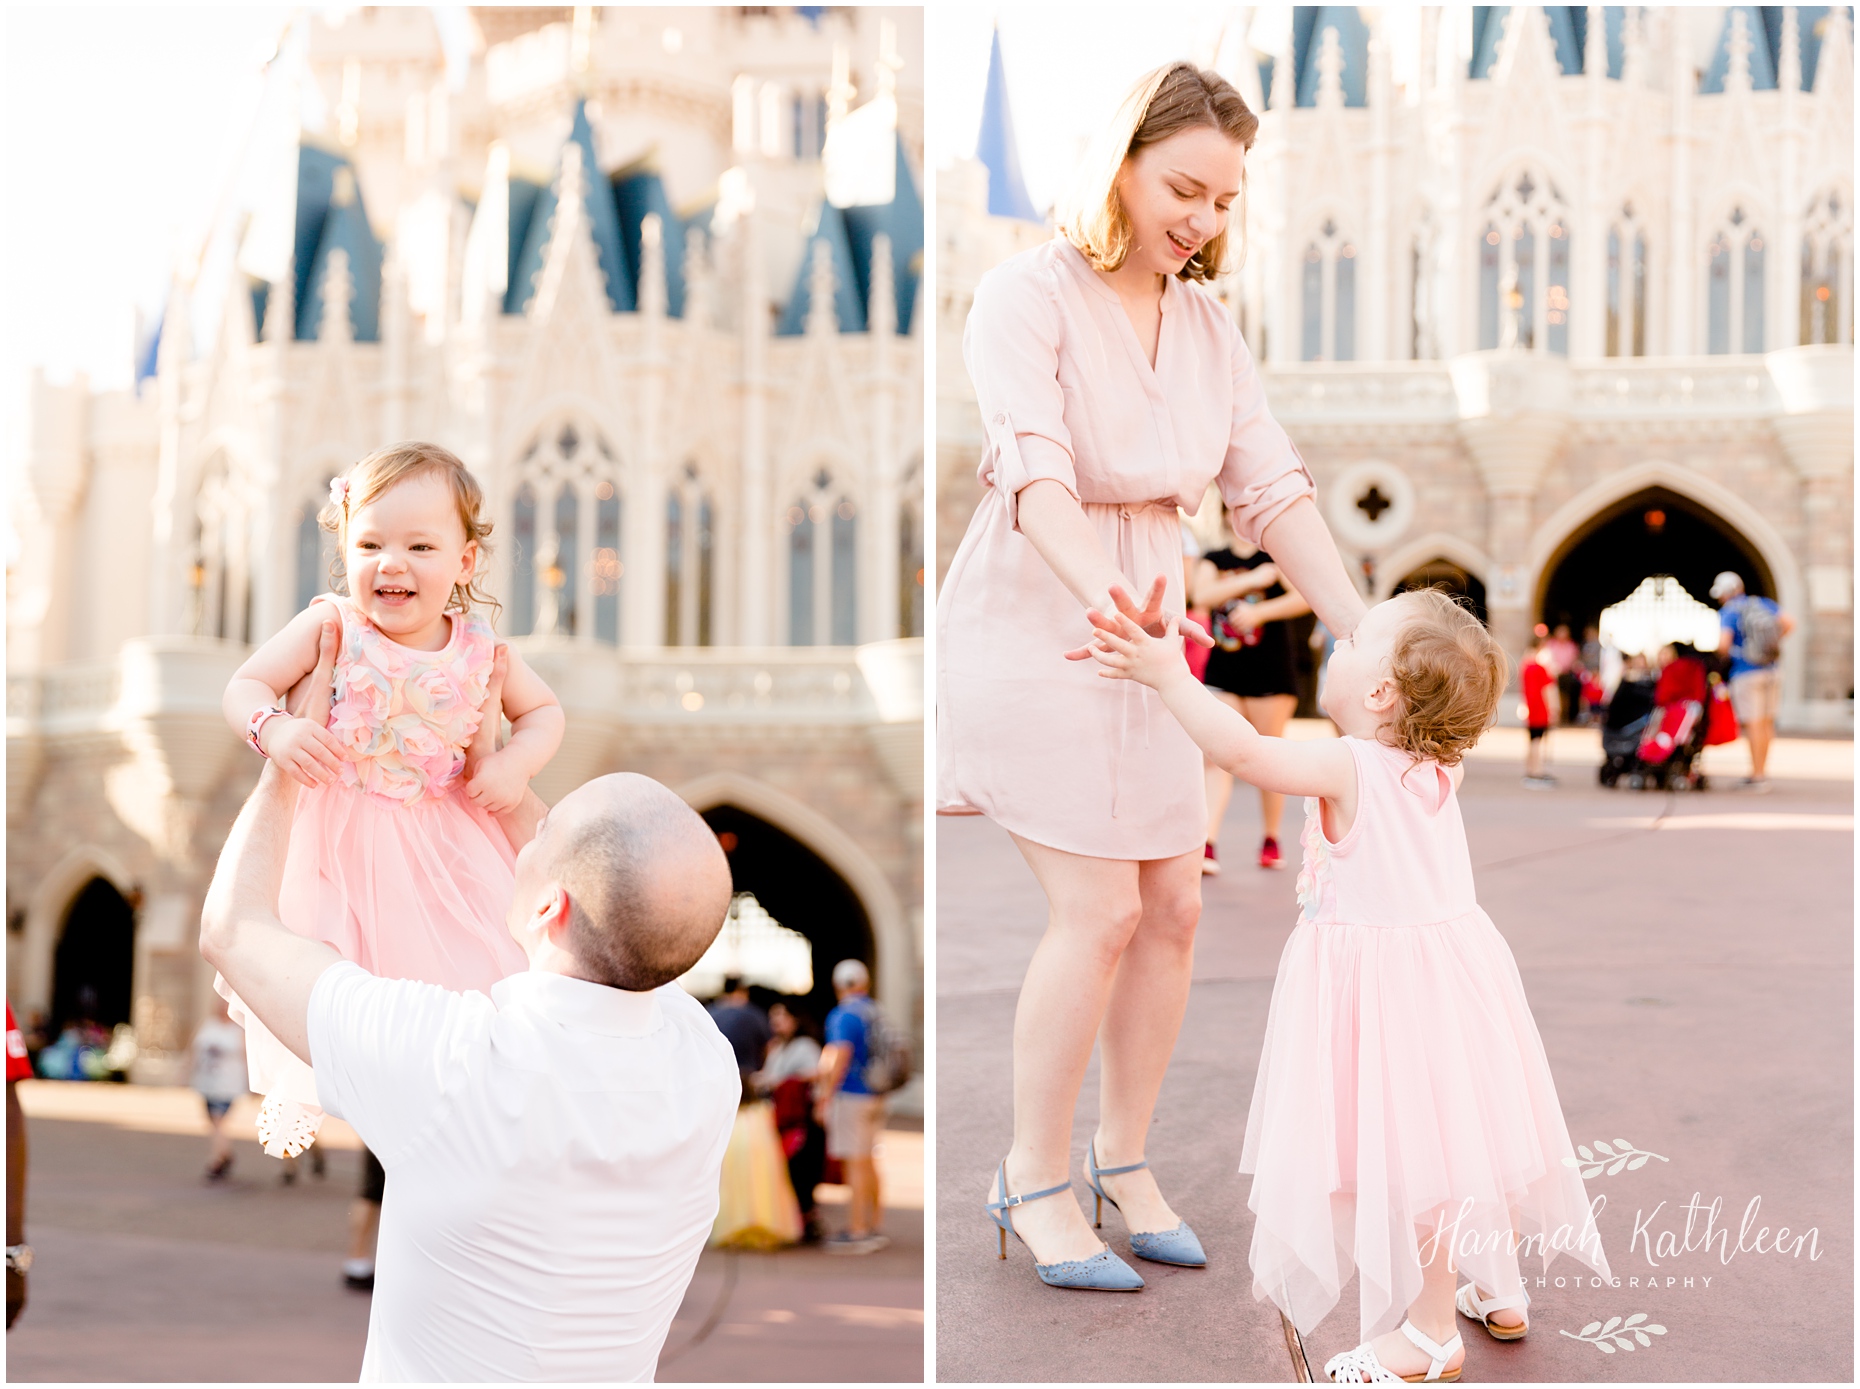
1402	1072
392	866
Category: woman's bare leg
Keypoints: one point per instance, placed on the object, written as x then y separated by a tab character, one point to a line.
1141	1023
1093	909
1269	714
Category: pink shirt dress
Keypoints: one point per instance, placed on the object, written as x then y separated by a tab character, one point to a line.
1040	744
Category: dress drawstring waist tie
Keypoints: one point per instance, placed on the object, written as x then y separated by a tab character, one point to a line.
1126	560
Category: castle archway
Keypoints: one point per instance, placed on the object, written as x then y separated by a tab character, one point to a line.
1435	561
93	968
1658	518
48	915
813	878
1655	531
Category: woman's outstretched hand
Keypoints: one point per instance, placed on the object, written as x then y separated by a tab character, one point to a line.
1148	619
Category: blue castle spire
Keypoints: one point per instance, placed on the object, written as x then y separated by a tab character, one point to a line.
995	147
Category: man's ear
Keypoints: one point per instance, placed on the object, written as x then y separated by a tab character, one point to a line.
556	915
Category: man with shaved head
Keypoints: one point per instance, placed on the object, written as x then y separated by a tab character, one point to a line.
552	1150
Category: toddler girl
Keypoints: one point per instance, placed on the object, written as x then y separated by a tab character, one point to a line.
1404	1122
394	859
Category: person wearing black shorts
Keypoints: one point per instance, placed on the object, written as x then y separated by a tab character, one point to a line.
358	1270
1250	668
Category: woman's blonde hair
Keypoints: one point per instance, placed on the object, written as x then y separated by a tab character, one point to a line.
383	470
1173	98
1450	672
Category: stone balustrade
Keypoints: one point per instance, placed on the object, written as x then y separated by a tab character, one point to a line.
161	698
1793	382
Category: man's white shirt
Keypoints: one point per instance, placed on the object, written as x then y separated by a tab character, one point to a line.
552	1154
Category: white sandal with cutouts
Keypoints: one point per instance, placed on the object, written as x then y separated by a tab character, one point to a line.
1360	1366
1470	1304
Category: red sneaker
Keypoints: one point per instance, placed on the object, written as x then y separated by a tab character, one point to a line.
1210	865
1269	856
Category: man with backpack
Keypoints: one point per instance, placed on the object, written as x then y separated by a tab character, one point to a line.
863	1061
1751	631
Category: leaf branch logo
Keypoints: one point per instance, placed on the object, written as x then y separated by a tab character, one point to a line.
1622	1154
1614	1334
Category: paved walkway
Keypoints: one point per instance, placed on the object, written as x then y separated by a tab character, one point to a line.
1689	960
145	1272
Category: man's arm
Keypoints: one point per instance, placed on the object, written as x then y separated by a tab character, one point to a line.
269	967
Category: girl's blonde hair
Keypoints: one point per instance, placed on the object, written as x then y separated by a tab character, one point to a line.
1173	98
1450	672
383	470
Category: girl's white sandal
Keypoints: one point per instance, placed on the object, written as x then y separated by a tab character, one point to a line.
1470	1304
1360	1366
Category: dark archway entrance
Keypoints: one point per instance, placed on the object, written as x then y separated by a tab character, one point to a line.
800	890
94	966
1652	532
1444	574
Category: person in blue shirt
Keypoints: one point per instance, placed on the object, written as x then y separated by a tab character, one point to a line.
1750	632
851	1113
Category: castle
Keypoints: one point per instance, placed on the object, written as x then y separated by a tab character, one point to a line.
653	274
1569	305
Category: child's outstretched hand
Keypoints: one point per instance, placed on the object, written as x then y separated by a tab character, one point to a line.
301	743
1124	651
494	782
1149	618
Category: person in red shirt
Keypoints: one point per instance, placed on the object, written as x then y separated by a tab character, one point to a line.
1537	677
18	1255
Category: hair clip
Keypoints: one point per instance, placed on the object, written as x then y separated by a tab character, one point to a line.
339	492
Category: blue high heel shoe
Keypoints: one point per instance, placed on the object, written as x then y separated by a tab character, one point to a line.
1103	1272
1178	1246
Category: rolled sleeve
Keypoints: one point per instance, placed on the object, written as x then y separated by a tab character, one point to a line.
1263	473
389	1054
1011	345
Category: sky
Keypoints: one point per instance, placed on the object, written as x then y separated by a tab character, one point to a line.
1064	77
125	132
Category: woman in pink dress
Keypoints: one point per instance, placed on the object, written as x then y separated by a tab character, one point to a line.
1404	1125
395	859
1113	389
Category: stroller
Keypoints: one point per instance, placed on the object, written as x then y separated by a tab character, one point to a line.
1655	732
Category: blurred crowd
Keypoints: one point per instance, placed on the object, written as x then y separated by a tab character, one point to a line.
812	1113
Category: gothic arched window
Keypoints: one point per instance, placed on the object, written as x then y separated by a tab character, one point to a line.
1626	331
1524	267
1828	270
911	579
823	566
221	574
1734	287
565	531
607	563
845	625
1328	295
316	549
523	563
690	561
801	522
560	577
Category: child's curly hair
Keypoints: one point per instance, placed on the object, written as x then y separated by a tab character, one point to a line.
386	468
1450	672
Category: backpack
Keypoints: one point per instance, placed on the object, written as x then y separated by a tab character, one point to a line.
1762	633
888	1062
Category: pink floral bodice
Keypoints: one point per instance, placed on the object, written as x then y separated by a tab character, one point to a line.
404	717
